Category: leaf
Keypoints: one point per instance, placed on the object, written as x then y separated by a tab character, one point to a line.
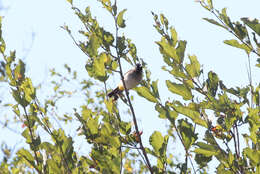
70	1
235	43
99	67
156	140
92	45
29	90
192	114
2	46
258	64
174	36
161	110
180	50
187	133
212	83
206	149
225	18
179	89
19	70
146	93
253	155
119	20
26	135
125	127
92	125
108	38
168	50
26	155
155	89
253	24
194	67
210	4
202	160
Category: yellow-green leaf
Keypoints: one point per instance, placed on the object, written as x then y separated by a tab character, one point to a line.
189	112
194	67
120	20
70	1
179	89
253	24
146	93
156	140
235	43
168	50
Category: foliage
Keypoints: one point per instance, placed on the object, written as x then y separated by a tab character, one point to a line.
115	145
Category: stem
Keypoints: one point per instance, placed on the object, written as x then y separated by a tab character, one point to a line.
148	164
238	143
235	142
250	80
31	134
47	128
233	33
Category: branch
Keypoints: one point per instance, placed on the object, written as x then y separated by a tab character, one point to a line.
148	164
233	33
32	138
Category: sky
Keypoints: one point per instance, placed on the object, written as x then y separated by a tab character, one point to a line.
32	28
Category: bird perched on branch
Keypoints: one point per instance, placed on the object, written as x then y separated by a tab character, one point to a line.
132	78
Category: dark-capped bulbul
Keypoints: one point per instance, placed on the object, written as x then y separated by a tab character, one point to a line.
132	78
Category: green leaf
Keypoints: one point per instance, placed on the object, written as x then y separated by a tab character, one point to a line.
26	135
120	21
70	1
2	45
225	18
92	125
19	70
258	62
180	50
108	38
210	4
155	88
179	89
212	83
202	160
156	140
107	5
146	93
26	155
168	50
29	90
235	43
125	127
189	112
165	112
187	133
174	36
194	67
99	67
253	24
92	46
212	21
206	149
253	155
161	110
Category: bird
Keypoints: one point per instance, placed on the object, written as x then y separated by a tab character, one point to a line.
132	78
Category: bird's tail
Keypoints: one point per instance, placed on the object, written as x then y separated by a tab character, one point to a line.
114	93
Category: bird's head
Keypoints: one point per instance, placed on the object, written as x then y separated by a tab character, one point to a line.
139	67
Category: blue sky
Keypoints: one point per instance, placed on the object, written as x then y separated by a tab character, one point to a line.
52	47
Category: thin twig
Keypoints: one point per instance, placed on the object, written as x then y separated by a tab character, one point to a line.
233	33
47	128
130	104
238	143
32	138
